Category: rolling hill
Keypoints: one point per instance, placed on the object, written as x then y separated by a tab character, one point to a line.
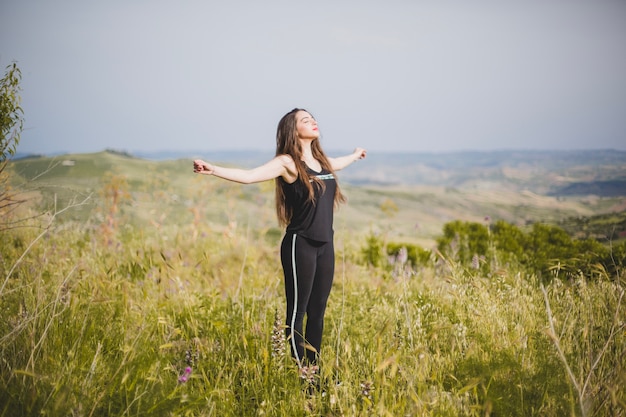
403	196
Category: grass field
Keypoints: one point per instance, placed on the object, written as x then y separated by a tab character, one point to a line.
158	294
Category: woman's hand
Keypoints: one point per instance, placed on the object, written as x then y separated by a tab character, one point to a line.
201	167
359	153
343	161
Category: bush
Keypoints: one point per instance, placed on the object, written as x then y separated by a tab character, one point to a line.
415	255
546	250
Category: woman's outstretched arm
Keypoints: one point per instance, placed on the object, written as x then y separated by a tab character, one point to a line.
343	161
281	166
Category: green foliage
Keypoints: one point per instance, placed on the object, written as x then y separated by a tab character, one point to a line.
464	240
606	227
615	259
549	250
415	255
11	124
11	113
372	251
389	207
545	249
509	240
91	329
176	314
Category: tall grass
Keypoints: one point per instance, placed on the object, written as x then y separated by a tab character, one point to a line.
181	320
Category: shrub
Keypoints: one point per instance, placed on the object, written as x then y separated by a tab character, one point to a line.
545	249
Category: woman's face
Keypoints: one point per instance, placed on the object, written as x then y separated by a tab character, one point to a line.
306	126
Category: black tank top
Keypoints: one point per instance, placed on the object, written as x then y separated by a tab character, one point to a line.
312	219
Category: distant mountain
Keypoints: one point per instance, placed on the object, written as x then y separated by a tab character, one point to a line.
613	188
542	172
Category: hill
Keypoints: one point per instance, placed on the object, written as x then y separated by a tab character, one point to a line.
404	196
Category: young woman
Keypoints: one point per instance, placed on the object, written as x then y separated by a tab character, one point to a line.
306	193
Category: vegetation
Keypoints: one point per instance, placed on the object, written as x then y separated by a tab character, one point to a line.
11	124
544	249
147	300
11	113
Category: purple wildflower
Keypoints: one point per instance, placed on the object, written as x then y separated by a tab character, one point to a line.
185	377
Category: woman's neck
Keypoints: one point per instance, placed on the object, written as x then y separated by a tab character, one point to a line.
307	152
308	158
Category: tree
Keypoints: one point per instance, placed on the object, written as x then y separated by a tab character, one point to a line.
11	125
464	241
509	241
11	113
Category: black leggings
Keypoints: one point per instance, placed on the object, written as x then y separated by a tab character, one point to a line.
309	267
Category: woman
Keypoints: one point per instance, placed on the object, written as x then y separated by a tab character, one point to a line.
306	193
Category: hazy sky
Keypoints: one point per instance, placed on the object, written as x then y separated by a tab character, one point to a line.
149	75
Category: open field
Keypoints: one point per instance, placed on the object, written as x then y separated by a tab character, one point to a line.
157	294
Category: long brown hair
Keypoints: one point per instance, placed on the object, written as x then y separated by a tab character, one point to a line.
287	143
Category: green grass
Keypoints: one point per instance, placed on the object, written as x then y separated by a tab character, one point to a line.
104	320
97	330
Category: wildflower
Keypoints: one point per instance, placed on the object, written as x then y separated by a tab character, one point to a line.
311	378
185	376
403	255
191	357
278	337
475	261
309	373
366	389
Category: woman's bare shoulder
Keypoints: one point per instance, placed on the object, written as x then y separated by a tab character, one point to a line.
285	159
287	162
290	167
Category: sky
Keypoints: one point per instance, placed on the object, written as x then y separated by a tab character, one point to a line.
393	76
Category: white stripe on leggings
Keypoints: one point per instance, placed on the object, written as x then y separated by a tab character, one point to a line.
295	301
